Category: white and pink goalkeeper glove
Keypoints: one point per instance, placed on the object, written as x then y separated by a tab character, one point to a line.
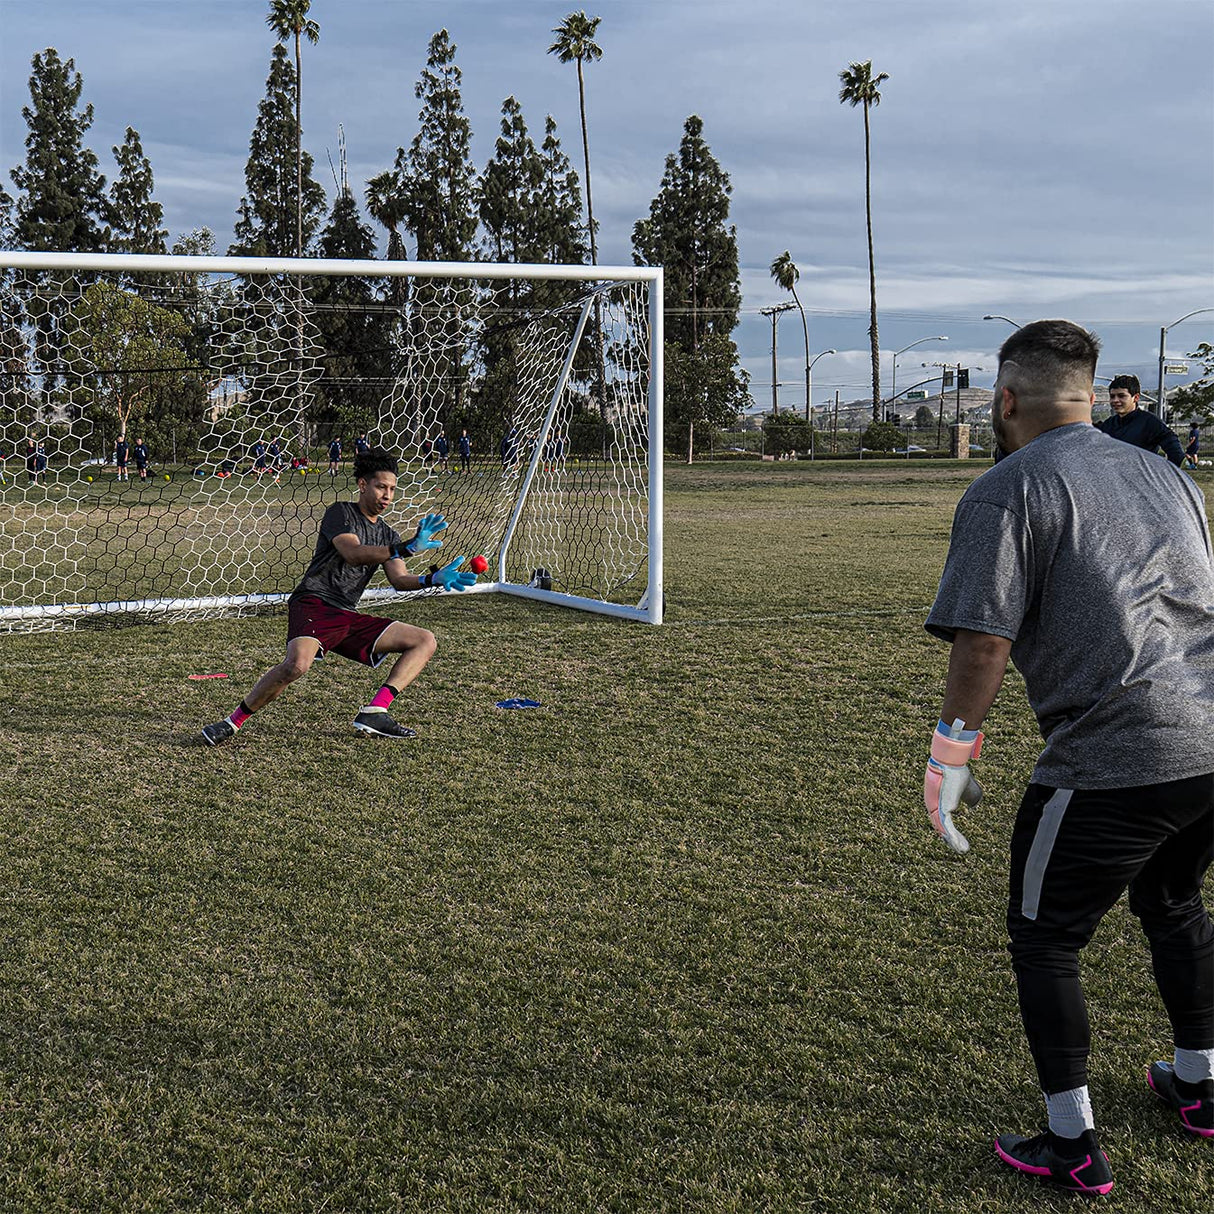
948	780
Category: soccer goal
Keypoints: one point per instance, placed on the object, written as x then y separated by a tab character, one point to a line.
173	428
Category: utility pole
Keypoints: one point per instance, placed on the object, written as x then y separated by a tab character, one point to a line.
774	312
1160	411
1161	403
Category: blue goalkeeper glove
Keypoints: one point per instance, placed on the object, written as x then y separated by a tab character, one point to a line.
424	539
948	781
451	576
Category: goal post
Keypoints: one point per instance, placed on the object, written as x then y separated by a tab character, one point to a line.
167	427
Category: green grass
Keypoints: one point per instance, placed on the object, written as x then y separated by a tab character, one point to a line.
679	940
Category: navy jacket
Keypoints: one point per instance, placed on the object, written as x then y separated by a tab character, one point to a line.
1145	430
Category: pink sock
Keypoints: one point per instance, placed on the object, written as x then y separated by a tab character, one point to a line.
240	716
383	697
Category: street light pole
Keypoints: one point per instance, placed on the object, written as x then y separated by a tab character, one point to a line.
893	387
1009	320
908	424
774	312
809	417
1163	337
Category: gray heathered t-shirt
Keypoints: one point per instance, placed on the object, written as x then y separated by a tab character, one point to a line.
1093	558
328	576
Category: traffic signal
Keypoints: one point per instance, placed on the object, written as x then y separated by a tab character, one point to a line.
963	378
897	419
948	379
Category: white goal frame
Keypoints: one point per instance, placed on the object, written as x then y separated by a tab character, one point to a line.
650	606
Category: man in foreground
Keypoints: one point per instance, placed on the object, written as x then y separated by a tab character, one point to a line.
1088	563
1136	426
354	541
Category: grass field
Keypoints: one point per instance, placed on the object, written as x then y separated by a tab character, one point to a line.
678	940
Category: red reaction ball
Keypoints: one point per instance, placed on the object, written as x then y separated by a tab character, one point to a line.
478	564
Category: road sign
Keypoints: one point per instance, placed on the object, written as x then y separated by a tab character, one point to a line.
1176	368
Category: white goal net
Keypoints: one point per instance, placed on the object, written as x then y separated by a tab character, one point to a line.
173	428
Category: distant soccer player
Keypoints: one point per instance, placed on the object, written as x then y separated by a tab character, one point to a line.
142	456
354	541
1193	445
1088	562
334	456
122	456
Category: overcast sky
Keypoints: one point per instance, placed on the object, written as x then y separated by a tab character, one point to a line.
1032	158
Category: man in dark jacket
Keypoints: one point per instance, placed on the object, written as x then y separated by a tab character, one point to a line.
1136	426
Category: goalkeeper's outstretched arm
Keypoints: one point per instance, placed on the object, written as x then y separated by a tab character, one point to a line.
353	552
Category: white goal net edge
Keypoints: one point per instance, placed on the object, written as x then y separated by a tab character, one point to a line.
649	609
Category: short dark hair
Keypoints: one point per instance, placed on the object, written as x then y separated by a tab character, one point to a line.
1051	350
368	463
1126	381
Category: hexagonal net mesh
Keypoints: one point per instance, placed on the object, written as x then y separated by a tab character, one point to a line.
173	429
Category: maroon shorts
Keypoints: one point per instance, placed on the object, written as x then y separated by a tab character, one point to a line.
349	633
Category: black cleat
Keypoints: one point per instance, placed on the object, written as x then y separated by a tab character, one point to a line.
1194	1106
1077	1164
379	724
221	731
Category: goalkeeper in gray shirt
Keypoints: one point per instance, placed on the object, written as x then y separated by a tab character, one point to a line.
1087	561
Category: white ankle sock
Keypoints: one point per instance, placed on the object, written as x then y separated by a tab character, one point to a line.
1193	1066
1070	1112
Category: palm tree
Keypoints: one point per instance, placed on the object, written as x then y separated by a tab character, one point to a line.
575	40
386	205
289	19
860	87
784	271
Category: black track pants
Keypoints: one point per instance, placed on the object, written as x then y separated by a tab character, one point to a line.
1074	852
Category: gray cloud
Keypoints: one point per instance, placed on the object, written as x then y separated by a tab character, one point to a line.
1047	156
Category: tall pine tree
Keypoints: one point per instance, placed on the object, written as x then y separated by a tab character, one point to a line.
437	184
687	232
508	190
135	215
61	205
529	198
436	174
353	328
268	213
507	195
561	202
530	213
15	403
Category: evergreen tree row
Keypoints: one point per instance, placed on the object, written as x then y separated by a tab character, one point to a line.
524	206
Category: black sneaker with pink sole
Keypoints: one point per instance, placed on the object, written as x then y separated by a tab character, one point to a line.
1193	1103
1077	1164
